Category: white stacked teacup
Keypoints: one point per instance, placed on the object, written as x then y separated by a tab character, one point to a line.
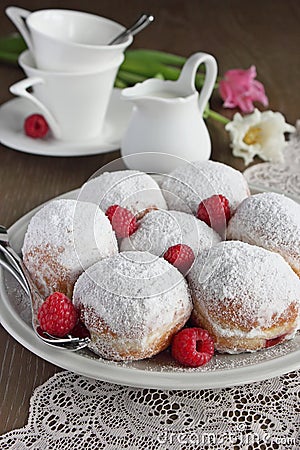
70	68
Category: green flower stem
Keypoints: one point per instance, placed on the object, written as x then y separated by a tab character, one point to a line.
148	63
217	116
9	57
120	84
130	78
12	43
10	48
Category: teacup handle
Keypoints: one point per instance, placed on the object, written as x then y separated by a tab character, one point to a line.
188	74
18	17
20	89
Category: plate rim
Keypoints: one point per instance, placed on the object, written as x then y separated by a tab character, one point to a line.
128	376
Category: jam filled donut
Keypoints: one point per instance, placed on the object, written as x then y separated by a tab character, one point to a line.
190	184
246	297
159	230
64	238
271	221
132	304
136	191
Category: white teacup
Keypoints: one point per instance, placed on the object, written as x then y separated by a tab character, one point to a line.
74	104
68	41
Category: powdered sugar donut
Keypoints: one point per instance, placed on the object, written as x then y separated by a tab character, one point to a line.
188	185
131	189
159	230
64	238
245	296
271	221
132	304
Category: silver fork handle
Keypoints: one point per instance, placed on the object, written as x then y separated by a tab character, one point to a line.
11	269
15	262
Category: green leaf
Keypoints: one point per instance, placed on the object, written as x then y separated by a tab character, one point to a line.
10	48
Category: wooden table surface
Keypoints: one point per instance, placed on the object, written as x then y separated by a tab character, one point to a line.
265	33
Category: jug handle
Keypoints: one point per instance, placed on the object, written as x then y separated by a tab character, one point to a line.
188	74
20	89
17	16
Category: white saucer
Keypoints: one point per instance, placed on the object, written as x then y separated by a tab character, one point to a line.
13	113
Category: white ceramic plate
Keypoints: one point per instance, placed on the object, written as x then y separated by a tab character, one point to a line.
14	112
158	372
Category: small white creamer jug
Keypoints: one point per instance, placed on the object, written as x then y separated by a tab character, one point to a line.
167	118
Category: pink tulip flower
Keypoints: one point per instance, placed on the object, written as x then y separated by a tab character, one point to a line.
240	89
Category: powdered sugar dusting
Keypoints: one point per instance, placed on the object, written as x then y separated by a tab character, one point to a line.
69	233
271	221
133	292
252	283
161	229
131	189
188	185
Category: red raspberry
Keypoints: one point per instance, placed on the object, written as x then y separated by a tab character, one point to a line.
35	126
181	256
57	315
215	211
192	347
122	220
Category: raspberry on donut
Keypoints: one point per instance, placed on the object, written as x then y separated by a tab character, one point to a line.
215	212
122	221
180	256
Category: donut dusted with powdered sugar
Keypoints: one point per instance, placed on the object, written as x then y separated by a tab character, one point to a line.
131	189
271	221
193	182
64	238
245	296
132	304
159	230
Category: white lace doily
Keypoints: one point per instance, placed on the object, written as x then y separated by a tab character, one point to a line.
285	177
70	412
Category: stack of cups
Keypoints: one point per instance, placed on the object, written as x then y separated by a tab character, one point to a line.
70	68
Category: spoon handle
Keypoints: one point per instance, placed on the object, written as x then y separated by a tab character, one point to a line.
138	26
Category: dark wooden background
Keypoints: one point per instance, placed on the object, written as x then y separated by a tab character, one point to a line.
238	33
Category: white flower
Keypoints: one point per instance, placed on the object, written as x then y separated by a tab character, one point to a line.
259	133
